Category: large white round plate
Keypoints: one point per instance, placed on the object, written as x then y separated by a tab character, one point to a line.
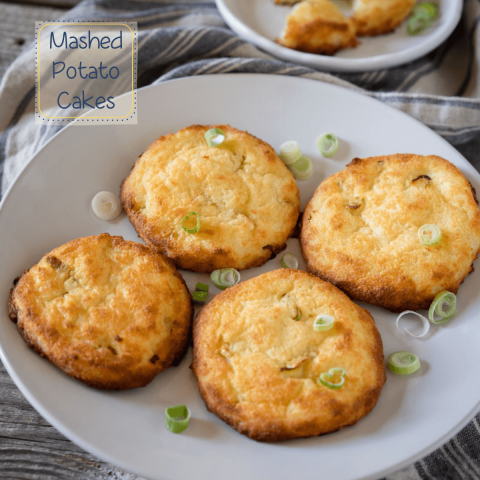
49	204
261	22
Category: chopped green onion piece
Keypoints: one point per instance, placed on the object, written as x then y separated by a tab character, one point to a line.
214	137
177	418
224	278
419	22
323	323
290	152
426	324
429	234
328	144
430	7
327	379
447	299
403	363
199	296
302	169
106	205
196	228
299	314
289	260
202	286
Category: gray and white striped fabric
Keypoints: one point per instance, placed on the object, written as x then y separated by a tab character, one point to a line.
178	39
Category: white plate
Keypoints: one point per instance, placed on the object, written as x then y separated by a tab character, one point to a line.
261	22
49	204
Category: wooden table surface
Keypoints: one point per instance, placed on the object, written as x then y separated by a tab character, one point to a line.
30	448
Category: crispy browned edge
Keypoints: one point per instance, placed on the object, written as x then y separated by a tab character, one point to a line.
174	357
196	262
387	27
272	431
305	31
386	296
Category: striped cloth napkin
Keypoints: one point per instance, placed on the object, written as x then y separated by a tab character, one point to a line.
184	38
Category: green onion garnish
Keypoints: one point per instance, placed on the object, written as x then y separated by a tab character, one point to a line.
290	152
289	260
214	137
327	144
426	323
323	322
106	205
429	234
299	314
332	380
443	299
403	363
194	229
302	169
430	7
224	278
419	22
177	418
202	286
199	296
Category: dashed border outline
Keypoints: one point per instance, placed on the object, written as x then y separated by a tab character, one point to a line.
132	26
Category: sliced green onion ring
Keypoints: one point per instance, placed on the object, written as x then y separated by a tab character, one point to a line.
199	297
323	323
289	260
302	169
106	205
224	278
177	418
214	137
419	22
403	363
426	324
196	228
443	299
430	7
328	144
327	377
429	234
290	152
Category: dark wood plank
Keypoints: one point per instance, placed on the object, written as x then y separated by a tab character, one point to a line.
31	449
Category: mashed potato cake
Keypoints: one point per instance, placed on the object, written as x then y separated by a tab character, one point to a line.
258	360
374	17
360	230
108	312
318	26
246	199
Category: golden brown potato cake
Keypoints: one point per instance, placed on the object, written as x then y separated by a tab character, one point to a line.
258	364
318	26
108	312
360	230
374	17
246	198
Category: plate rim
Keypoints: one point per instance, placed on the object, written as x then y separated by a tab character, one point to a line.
337	64
102	454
